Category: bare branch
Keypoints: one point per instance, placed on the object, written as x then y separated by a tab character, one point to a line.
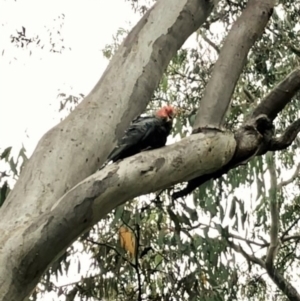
286	138
276	277
254	138
245	151
294	223
274	210
279	97
291	179
284	285
249	95
248	241
292	237
210	42
248	257
233	56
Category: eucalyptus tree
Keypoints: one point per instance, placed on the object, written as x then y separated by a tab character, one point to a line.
201	233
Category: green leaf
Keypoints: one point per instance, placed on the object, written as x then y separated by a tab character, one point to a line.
5	154
158	260
118	213
161	236
232	208
13	166
164	84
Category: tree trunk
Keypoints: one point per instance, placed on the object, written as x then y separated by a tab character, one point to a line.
35	223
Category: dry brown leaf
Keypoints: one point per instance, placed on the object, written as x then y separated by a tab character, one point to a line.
203	279
127	240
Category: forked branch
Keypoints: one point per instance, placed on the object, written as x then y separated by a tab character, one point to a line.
288	289
256	135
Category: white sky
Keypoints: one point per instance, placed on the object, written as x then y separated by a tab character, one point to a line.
30	84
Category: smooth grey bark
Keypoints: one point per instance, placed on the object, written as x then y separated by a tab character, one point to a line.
75	148
90	200
279	97
231	61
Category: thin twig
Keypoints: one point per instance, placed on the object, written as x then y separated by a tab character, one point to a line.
249	95
263	245
291	237
136	265
293	177
112	248
210	42
276	277
294	223
248	257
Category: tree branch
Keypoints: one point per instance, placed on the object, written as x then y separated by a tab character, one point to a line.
291	179
248	241
79	145
249	139
249	95
254	138
90	200
274	210
248	257
233	56
136	264
294	223
284	285
292	237
279	97
276	277
210	42
286	138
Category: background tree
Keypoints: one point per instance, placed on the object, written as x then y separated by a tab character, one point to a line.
216	244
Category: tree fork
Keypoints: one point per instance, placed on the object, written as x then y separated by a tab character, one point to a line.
88	134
